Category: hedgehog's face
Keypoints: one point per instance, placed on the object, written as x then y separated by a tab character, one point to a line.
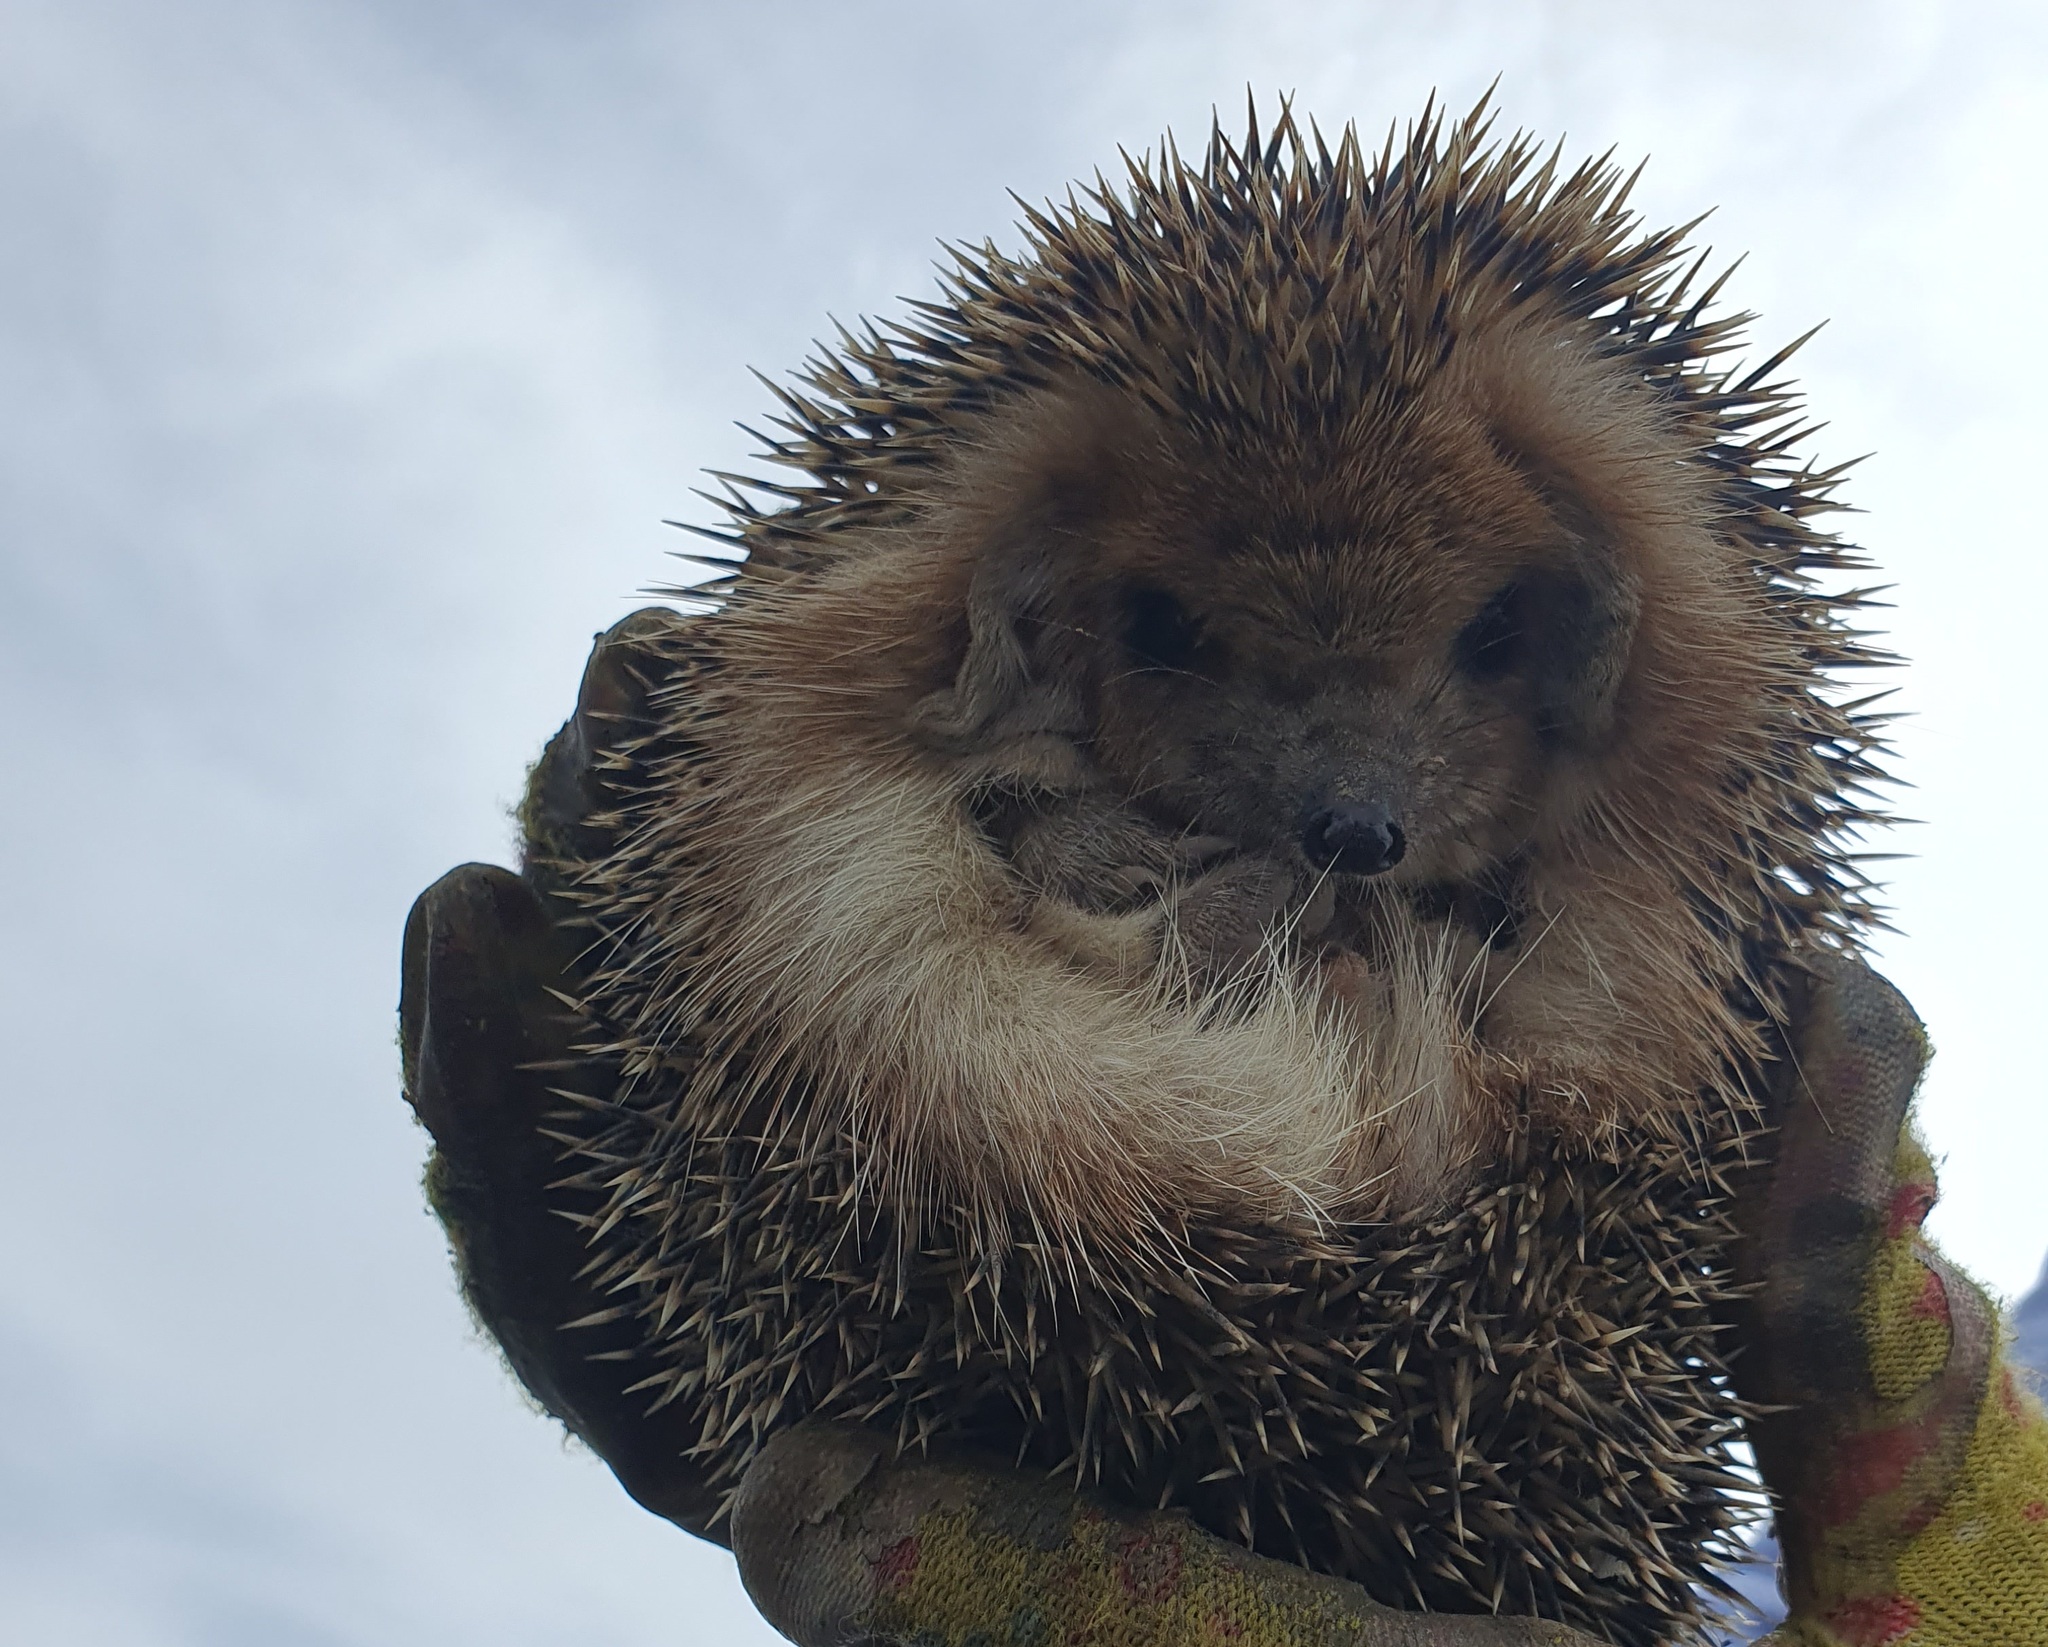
1409	736
1393	657
1392	694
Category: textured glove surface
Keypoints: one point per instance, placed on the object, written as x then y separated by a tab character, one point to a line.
839	1546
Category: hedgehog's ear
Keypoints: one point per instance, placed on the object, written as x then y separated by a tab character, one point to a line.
1584	618
1004	693
1032	490
1579	610
1598	452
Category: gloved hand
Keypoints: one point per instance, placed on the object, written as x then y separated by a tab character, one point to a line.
1912	1478
1910	1470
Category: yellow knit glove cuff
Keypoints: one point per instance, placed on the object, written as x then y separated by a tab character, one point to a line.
1933	1530
1978	1573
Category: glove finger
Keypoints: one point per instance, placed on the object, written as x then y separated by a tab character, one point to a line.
569	797
475	1013
1858	1050
837	1544
1854	1061
488	1047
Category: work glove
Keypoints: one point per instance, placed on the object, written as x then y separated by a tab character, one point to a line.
1907	1464
1909	1472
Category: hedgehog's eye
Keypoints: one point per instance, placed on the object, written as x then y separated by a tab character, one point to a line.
1158	632
1494	642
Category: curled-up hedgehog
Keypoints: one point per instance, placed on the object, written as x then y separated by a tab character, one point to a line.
1210	906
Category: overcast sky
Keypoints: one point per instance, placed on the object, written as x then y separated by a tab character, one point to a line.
353	354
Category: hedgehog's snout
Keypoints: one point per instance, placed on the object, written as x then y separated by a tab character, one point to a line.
1353	837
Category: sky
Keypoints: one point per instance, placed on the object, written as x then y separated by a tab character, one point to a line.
355	354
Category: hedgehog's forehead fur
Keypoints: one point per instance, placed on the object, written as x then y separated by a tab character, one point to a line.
881	1149
1277	302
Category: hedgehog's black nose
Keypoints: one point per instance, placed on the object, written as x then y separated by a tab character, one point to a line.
1353	837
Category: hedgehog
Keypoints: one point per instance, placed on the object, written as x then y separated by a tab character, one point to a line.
1208	900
